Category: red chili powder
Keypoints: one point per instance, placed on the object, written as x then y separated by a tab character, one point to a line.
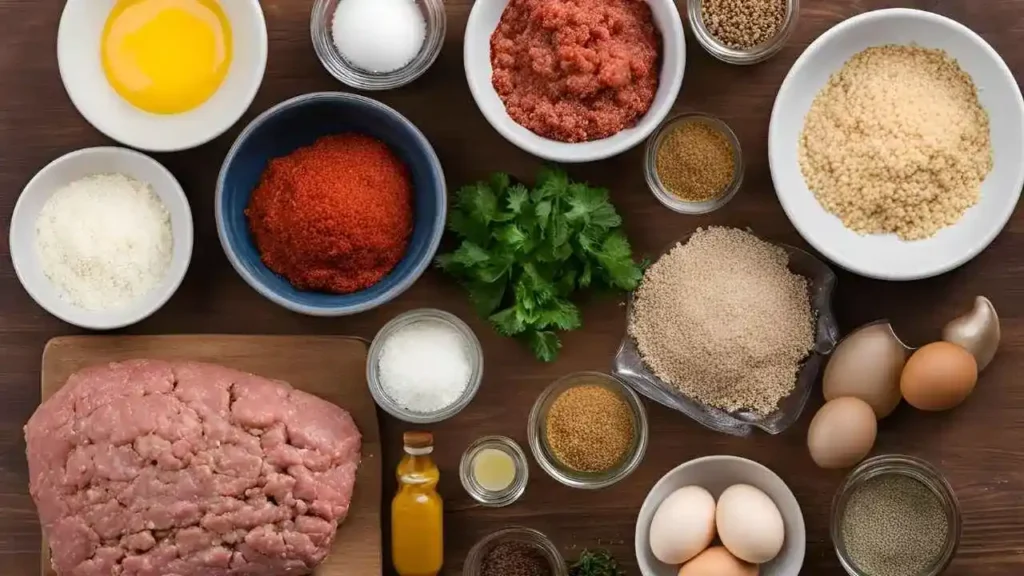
576	70
335	216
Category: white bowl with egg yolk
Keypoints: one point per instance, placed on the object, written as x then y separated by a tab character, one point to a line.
174	124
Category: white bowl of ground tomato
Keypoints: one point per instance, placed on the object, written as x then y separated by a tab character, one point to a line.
575	80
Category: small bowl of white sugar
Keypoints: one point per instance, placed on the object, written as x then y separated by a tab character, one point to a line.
377	44
101	237
424	366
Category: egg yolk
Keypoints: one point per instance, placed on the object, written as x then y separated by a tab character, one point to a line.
166	56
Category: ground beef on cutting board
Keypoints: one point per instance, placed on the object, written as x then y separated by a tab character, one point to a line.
152	468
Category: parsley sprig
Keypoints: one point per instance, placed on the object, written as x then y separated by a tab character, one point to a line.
524	252
596	563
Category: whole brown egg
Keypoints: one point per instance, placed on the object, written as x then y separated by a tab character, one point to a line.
938	376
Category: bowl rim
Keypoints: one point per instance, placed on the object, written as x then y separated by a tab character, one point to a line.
567	152
424	314
158	145
107	319
631	460
773	163
348	309
648	503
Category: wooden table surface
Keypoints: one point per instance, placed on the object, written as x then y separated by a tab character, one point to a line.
980	446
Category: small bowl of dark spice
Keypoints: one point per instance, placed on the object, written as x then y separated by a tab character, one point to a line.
743	31
895	516
514	551
693	164
588	430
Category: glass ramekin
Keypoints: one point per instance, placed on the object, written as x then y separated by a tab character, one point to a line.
915	468
481	494
320	24
758	53
667	198
476	358
473	566
536	430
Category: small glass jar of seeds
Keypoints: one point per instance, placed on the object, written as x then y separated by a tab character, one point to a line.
693	163
895	515
743	31
588	430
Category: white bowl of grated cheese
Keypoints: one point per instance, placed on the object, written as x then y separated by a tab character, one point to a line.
898	144
101	237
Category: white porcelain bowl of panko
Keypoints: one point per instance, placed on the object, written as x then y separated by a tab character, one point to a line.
602	132
896	144
80	250
704	514
162	75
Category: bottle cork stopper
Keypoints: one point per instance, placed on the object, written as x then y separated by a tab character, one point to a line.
416	439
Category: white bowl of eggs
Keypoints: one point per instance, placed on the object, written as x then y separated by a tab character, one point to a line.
720	516
162	75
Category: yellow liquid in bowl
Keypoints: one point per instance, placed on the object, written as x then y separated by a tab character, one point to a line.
166	56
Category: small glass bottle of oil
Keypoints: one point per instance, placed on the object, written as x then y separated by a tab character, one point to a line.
417	542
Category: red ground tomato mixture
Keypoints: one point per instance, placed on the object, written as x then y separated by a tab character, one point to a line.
335	216
576	70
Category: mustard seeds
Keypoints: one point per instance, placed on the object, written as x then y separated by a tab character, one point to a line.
743	24
589	428
695	162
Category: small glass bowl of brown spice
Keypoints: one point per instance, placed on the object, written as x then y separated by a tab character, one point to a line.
895	515
743	31
514	550
693	164
588	430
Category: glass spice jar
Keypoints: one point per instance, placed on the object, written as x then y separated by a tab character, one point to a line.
916	469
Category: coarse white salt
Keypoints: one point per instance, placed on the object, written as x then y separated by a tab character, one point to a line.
425	366
104	241
378	36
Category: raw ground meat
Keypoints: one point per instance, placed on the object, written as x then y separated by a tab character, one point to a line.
576	70
152	468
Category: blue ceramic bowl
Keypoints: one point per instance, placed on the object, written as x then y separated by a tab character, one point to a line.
299	122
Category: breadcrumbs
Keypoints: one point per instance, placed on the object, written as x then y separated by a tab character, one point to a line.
897	142
723	320
589	428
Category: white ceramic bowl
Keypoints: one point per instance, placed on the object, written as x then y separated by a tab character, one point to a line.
67	169
78	57
483	19
715	474
887	257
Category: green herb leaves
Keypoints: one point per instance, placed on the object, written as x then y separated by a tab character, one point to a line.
524	252
596	563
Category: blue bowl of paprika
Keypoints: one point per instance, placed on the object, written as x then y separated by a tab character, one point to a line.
303	122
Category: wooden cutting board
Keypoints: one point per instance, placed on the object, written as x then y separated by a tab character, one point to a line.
333	368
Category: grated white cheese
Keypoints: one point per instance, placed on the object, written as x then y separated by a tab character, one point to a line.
104	241
425	366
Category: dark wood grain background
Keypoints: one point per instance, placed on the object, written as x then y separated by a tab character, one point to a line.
980	446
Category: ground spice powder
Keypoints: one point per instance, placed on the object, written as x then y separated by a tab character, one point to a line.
894	525
695	162
589	428
335	216
515	559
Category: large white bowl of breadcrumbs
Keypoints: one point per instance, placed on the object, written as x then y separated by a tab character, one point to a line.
896	144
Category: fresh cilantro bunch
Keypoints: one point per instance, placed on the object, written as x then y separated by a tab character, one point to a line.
524	252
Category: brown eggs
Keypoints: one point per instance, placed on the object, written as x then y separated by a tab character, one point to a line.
842	433
717	561
939	376
867	365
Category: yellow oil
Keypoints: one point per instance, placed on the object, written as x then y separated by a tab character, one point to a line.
417	512
494	469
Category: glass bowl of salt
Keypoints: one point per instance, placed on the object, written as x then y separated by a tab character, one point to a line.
377	44
424	366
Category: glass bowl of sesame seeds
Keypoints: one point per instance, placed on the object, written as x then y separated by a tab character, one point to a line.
895	515
693	163
588	430
743	31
